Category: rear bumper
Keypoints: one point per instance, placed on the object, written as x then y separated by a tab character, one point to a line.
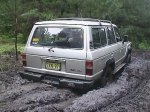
55	80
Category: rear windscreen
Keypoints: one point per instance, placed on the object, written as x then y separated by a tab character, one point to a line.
58	37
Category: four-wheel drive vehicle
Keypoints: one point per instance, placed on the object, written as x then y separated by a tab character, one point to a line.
74	52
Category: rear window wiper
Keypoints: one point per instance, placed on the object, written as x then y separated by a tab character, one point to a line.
51	49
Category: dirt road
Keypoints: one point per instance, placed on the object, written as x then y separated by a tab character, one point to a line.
129	92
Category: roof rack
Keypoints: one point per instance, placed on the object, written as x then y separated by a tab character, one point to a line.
106	21
84	19
78	19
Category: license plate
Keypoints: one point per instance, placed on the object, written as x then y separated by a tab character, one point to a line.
53	66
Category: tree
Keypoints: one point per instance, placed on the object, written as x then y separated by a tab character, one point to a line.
132	16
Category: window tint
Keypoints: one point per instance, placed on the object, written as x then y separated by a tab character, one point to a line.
103	36
96	37
111	36
58	37
99	37
118	37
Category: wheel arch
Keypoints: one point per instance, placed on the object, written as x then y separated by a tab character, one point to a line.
111	63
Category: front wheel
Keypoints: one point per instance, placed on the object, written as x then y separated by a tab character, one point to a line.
128	59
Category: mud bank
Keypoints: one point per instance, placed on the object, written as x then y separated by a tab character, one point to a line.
131	78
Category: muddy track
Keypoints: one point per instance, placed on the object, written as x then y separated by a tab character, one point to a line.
137	100
129	92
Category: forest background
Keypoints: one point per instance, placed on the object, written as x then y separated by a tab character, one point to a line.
18	16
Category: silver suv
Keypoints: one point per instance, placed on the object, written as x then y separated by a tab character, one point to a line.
74	52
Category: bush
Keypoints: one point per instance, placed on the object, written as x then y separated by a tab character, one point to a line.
21	38
144	45
137	36
5	39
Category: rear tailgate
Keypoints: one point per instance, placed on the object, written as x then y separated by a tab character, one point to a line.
60	62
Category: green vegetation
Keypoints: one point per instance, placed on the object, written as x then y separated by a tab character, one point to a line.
5	48
132	16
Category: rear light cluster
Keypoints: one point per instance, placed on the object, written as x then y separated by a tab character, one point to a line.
23	59
89	67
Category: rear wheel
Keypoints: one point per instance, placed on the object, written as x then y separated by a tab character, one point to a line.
107	76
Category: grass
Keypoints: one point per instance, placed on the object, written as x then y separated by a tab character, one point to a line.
144	46
7	62
11	47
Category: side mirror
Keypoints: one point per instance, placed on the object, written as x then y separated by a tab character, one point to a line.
125	38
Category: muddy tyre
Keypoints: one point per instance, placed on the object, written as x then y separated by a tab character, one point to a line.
107	76
128	59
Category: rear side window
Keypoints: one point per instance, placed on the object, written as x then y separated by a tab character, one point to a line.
99	37
58	37
111	36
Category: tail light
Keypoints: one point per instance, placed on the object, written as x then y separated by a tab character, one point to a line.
23	59
89	67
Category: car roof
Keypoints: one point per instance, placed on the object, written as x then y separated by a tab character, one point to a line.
77	21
